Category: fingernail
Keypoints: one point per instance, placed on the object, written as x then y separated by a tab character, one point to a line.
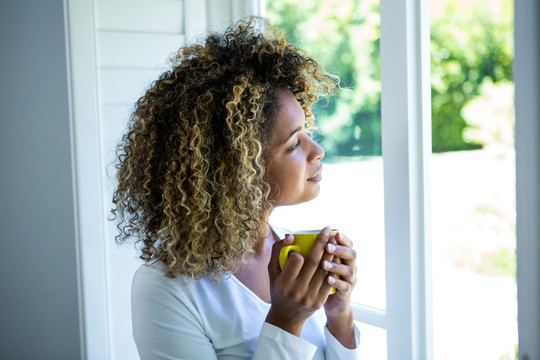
331	247
327	231
327	265
332	280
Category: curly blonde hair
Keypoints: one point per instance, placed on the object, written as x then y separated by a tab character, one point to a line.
191	167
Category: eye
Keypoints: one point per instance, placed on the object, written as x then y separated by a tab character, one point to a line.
292	148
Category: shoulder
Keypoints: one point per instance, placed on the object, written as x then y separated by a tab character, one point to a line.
167	317
152	275
151	283
151	286
155	296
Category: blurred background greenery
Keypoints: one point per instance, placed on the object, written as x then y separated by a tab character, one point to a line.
471	56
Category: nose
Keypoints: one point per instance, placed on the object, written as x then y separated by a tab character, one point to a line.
317	152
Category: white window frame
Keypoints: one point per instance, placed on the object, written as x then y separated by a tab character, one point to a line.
406	150
406	128
86	147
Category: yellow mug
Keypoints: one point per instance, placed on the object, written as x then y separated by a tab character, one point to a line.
303	243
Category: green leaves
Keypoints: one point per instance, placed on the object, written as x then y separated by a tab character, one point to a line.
469	43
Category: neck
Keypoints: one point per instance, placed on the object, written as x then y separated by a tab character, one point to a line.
266	240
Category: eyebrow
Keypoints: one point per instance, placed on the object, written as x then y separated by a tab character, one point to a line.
292	133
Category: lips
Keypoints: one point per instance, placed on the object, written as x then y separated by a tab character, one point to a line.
317	176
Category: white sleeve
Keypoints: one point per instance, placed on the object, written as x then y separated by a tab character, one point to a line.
163	326
334	350
275	343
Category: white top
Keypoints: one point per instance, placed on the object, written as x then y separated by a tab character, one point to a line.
177	319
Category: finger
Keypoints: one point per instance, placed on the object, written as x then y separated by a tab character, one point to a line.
313	260
341	285
324	290
318	281
285	282
293	266
273	266
343	240
345	271
343	252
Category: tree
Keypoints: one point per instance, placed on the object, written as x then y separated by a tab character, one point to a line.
468	46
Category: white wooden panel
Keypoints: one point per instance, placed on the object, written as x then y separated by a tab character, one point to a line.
195	20
122	267
125	86
124	49
120	304
219	14
114	119
113	124
112	246
165	16
222	13
123	345
109	183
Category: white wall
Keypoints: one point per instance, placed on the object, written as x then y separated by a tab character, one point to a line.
131	51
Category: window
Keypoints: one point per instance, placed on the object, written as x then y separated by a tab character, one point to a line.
473	180
344	36
390	229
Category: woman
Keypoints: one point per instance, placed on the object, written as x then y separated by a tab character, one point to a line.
213	147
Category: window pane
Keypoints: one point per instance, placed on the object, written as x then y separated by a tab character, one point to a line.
473	185
344	36
373	342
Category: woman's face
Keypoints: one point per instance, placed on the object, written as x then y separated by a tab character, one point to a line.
294	166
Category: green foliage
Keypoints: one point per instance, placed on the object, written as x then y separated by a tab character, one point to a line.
498	263
467	47
344	36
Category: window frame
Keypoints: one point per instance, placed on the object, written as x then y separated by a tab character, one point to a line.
406	151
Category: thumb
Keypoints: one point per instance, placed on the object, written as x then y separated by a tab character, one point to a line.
273	266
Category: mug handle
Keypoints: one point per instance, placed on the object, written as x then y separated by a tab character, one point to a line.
284	253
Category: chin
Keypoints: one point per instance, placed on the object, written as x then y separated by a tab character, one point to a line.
308	198
290	200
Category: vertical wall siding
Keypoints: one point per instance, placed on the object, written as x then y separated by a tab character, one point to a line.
134	40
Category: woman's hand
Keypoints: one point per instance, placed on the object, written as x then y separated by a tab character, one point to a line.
301	287
338	306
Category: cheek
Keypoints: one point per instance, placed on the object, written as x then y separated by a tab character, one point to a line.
292	172
285	174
